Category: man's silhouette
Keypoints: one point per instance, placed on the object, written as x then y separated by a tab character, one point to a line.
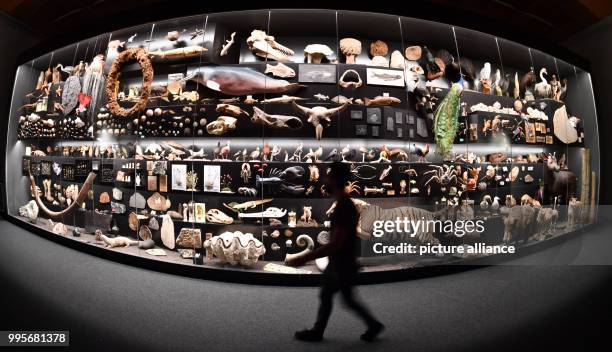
342	268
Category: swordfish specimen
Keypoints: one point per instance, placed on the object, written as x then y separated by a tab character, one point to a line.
238	80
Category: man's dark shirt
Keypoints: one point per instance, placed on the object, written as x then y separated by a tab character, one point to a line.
345	216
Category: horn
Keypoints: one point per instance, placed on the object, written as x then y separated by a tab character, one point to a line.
302	240
77	203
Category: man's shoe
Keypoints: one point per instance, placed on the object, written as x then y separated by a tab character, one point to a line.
372	332
309	335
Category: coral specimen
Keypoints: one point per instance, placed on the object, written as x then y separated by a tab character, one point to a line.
446	121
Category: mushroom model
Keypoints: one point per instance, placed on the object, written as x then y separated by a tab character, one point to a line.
351	48
316	52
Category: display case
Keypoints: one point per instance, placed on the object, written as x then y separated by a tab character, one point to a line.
202	142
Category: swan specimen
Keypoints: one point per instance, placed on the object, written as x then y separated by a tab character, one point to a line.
543	89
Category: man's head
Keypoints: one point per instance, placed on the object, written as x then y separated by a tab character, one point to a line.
337	177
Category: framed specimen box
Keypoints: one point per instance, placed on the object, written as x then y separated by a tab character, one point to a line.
361	130
163	183
384	77
179	177
152	183
375	131
309	73
200	212
356	114
374	116
212	178
530	133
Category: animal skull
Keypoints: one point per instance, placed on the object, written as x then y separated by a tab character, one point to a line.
319	116
265	46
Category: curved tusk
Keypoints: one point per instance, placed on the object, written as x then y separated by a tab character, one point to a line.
80	198
302	240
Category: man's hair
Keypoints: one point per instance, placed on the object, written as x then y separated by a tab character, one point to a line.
339	173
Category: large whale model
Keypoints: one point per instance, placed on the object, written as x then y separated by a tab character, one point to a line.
238	80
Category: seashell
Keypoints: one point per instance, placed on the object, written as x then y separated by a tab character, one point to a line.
167	232
323	238
275	247
158	202
145	233
133	221
30	211
275	234
186	253
153	223
528	178
137	201
117	194
104	198
288	243
235	248
514	173
288	233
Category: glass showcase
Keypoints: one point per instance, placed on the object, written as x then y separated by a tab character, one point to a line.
202	141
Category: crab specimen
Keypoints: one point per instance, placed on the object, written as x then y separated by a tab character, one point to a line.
352	186
265	46
443	175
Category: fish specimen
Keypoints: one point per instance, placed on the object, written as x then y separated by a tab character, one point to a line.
285	99
238	80
446	121
321	97
381	100
228	44
280	70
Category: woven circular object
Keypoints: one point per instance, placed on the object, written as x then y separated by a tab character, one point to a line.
141	56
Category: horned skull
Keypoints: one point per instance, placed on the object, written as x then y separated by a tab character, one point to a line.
319	116
265	46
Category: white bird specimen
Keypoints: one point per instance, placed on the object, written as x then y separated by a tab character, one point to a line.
486	200
543	88
495	204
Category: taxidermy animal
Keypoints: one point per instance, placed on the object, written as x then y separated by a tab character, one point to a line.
446	121
238	81
543	89
562	181
421	153
118	241
519	223
319	116
496	83
516	90
527	81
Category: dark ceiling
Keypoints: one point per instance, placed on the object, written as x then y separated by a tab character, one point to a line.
528	21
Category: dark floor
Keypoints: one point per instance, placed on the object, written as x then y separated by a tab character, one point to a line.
107	305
